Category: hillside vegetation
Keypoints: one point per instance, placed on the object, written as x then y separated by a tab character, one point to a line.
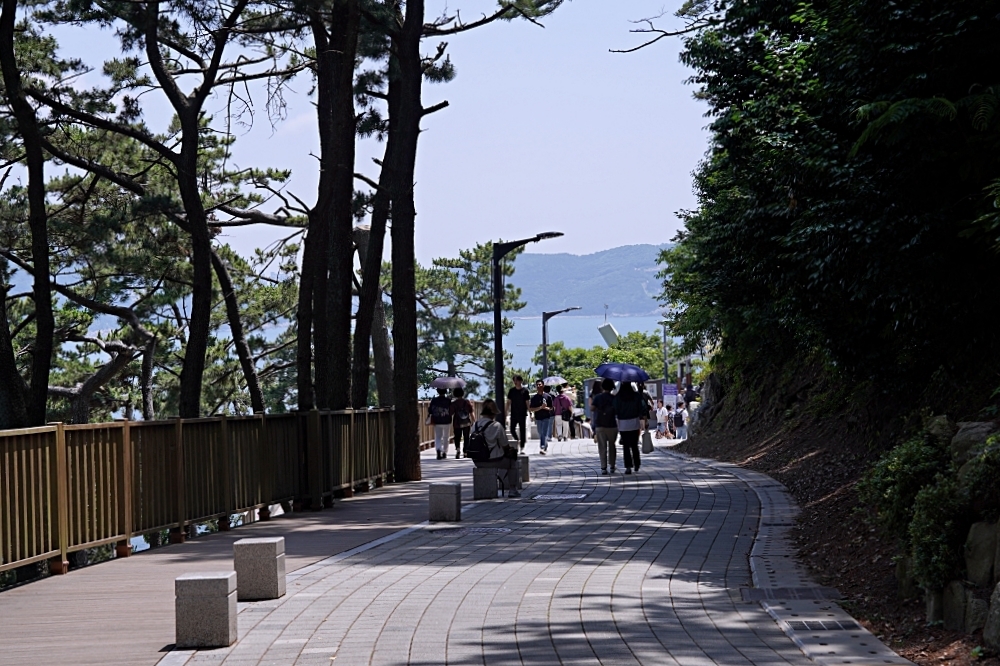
843	266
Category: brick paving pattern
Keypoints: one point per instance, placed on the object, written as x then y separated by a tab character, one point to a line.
644	569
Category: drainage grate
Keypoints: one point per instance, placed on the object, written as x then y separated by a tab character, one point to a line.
774	593
560	497
822	625
459	531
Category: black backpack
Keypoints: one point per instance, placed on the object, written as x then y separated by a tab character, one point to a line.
476	447
678	419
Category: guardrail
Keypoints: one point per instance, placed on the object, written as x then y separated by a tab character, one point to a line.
65	488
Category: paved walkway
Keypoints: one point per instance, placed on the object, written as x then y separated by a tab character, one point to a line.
650	568
640	569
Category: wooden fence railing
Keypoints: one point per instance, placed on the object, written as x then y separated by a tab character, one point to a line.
65	488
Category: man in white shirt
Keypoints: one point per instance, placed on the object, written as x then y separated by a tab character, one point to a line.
661	420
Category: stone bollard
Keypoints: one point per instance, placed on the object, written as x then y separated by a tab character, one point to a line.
445	501
205	608
523	461
260	568
484	483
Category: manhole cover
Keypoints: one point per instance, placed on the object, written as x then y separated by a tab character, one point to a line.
560	497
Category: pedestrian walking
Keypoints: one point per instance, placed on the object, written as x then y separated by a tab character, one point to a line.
602	408
662	414
595	390
647	405
440	416
629	410
462	416
540	407
502	454
680	421
562	408
517	408
671	430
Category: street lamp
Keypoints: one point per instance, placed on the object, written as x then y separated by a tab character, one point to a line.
499	251
545	336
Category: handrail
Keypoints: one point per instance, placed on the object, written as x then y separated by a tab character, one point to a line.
64	488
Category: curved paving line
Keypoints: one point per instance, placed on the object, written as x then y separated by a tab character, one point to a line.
821	628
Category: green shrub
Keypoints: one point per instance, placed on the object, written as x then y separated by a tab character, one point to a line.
941	520
980	477
893	483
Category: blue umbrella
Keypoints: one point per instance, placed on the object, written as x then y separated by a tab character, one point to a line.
622	372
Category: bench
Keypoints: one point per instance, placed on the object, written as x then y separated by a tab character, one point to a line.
205	609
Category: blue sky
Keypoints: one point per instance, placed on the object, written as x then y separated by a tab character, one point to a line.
546	130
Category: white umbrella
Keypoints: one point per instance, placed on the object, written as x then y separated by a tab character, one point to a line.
554	381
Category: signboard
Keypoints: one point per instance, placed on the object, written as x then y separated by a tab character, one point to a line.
669	389
651	388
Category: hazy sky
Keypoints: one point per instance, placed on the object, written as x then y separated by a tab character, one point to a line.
546	130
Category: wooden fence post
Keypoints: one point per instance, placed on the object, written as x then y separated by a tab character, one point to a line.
268	470
60	563
177	534
314	459
227	474
124	548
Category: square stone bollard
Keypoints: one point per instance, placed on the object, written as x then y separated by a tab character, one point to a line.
205	608
484	483
445	502
260	568
523	461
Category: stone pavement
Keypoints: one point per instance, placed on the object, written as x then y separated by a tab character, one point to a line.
585	569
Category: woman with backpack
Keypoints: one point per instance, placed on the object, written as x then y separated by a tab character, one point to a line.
462	415
488	446
629	410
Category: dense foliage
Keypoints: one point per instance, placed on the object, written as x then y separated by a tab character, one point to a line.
848	203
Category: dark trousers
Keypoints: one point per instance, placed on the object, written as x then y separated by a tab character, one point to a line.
519	422
460	434
630	446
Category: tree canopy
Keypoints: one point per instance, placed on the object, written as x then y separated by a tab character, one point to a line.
848	202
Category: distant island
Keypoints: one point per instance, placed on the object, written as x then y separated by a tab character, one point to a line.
624	278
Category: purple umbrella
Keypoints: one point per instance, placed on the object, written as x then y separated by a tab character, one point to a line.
448	383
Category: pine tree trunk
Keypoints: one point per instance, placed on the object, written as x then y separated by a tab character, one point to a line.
404	299
377	331
239	338
12	408
199	325
344	21
27	125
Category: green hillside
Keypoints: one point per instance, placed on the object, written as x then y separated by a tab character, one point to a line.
624	278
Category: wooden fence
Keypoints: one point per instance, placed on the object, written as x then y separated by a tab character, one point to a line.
64	488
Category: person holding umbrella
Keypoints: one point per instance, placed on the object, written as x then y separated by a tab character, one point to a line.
629	410
540	406
439	412
628	407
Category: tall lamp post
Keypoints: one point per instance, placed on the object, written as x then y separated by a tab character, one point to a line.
500	250
545	336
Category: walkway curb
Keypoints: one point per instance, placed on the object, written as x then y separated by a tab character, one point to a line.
804	610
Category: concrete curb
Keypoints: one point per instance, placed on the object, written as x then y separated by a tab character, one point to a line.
824	631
